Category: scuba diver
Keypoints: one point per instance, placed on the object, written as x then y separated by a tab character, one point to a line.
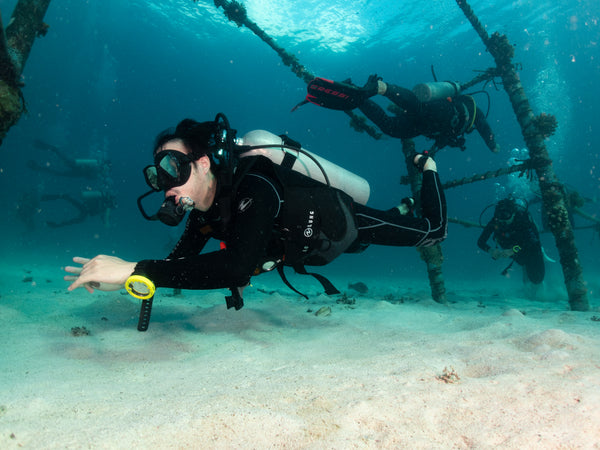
74	168
270	203
92	203
436	110
515	232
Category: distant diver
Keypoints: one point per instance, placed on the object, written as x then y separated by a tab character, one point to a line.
515	232
92	203
74	168
435	110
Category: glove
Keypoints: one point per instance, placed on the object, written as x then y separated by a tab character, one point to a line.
371	87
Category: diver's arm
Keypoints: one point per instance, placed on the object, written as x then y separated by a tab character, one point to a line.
194	237
249	234
484	236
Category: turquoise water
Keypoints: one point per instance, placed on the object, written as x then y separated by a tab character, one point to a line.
108	77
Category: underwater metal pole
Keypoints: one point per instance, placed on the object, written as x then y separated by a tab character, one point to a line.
25	25
236	12
433	255
535	129
8	71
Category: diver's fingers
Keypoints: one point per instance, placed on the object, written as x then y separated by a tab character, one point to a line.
70	278
79	281
72	269
80	260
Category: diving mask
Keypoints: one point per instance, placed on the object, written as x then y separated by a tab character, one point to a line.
171	168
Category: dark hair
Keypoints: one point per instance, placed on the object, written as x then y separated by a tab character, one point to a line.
198	137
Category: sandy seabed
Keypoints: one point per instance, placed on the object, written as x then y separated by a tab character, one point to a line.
491	369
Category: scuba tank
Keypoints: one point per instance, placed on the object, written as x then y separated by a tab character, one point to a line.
427	92
306	163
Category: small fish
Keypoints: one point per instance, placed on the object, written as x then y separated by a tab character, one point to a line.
323	311
359	287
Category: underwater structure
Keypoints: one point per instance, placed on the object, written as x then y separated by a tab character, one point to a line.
535	129
25	25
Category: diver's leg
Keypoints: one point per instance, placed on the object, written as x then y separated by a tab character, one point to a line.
392	126
402	97
534	266
485	131
392	228
402	125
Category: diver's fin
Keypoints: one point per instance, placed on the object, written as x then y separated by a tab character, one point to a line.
546	257
334	94
303	102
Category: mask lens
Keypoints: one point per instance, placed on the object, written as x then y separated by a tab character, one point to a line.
170	164
171	168
151	177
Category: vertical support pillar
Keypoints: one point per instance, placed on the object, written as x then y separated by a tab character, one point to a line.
433	255
25	25
535	129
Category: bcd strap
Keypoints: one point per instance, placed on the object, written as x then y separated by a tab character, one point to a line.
330	289
287	283
290	142
288	161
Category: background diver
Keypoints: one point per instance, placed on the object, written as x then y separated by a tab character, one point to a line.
260	215
435	110
515	232
69	167
91	203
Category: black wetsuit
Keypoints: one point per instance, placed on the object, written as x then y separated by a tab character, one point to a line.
523	233
443	120
255	233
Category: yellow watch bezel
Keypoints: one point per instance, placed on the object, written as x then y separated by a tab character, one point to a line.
140	279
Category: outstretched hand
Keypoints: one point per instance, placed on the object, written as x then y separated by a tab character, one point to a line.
105	273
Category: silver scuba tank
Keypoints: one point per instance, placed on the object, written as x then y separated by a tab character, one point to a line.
355	186
427	92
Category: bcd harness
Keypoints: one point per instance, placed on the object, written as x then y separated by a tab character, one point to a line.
315	224
462	123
